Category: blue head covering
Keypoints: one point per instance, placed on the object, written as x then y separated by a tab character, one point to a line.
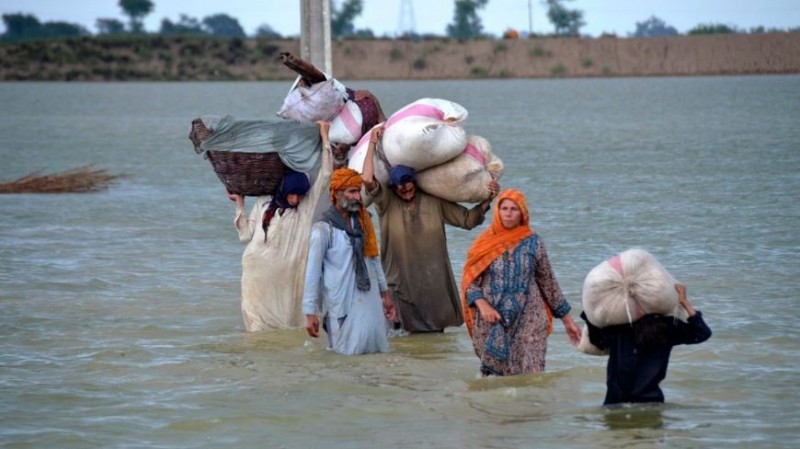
400	174
293	183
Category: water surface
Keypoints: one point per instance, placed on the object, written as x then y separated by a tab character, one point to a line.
121	324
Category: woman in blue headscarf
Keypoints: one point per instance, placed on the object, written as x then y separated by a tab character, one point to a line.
276	233
291	191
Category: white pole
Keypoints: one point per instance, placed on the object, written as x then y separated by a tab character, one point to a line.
315	34
530	18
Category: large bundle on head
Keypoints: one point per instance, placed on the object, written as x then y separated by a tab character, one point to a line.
425	133
251	156
422	134
349	112
346	126
320	101
628	286
465	177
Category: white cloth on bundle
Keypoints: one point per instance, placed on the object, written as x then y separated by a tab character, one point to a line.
328	101
320	101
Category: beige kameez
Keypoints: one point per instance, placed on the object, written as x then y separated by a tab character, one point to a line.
415	258
273	271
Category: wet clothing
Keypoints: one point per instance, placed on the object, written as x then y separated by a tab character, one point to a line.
635	371
274	261
353	317
414	255
520	285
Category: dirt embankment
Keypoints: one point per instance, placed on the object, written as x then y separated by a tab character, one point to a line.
185	58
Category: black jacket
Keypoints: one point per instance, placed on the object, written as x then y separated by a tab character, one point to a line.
635	369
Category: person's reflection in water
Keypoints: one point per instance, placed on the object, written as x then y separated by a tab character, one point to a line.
643	416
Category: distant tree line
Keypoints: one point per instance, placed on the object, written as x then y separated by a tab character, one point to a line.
466	24
655	27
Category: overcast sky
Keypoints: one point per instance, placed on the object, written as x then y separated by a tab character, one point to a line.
384	17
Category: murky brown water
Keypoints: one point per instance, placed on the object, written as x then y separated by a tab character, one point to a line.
121	323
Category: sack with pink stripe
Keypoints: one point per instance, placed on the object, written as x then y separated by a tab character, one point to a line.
425	133
422	134
346	126
626	287
465	177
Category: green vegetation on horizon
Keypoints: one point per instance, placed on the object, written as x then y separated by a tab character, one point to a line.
466	24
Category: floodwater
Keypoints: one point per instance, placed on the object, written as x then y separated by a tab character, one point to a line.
120	324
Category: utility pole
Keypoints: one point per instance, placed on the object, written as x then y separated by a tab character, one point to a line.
530	18
406	24
315	34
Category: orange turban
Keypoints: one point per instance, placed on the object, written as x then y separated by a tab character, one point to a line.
490	245
345	178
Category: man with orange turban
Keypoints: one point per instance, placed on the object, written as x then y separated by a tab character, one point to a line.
345	283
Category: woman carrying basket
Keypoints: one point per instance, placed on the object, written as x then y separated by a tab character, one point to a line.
276	233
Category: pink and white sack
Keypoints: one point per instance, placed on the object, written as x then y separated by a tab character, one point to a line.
628	286
465	177
422	134
346	126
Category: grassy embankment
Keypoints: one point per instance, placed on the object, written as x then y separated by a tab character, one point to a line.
154	58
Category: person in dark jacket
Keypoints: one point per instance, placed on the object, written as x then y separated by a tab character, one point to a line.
639	352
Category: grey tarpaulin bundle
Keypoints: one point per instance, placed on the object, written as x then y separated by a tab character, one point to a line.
251	156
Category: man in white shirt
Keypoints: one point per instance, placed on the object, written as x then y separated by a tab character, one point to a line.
345	282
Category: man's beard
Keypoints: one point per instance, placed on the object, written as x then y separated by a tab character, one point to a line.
350	205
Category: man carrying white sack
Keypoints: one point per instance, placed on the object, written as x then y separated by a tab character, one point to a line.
414	245
638	348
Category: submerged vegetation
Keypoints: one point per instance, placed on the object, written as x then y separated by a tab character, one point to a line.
83	179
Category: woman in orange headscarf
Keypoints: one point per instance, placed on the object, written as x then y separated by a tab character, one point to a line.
510	294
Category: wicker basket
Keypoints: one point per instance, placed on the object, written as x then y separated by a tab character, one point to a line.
248	174
243	173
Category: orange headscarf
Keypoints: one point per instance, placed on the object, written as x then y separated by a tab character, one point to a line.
490	245
344	178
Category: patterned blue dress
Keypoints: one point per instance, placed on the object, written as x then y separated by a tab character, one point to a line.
519	285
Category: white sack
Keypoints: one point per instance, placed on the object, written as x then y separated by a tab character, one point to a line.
585	346
320	101
465	177
628	286
346	126
422	134
425	133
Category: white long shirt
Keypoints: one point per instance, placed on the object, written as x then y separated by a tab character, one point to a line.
330	285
